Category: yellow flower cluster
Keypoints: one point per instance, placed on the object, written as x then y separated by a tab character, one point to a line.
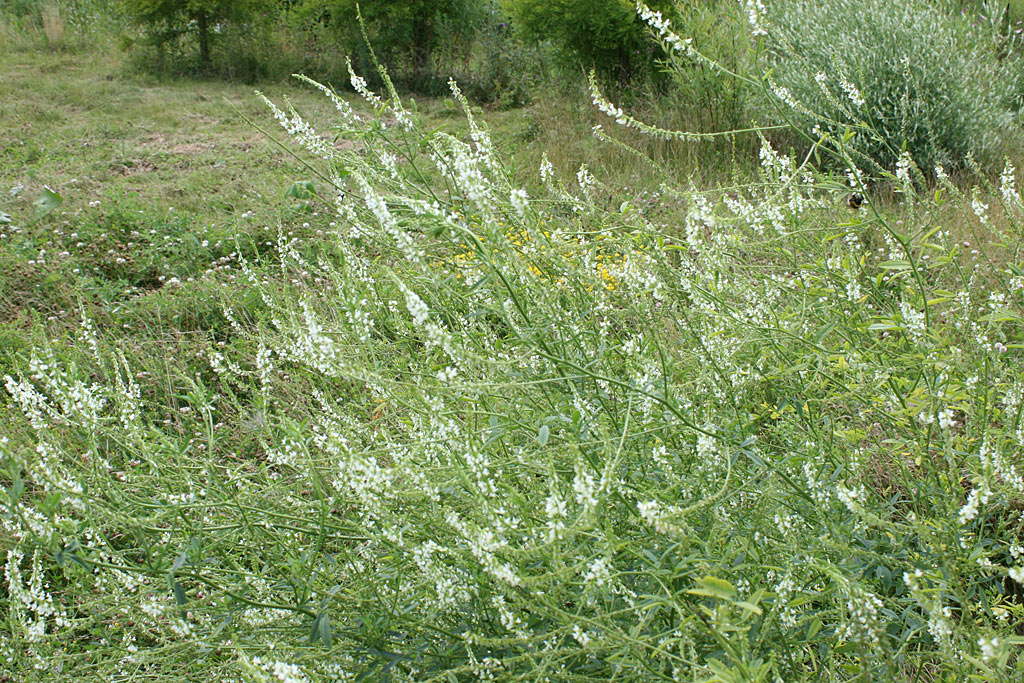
520	239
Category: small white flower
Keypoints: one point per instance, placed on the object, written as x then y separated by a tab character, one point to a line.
520	201
989	648
581	636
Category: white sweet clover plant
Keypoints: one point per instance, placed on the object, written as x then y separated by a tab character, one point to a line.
510	432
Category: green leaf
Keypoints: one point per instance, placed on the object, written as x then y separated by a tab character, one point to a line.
542	435
314	629
5	217
49	201
17	488
179	562
74	557
179	594
224	623
722	672
895	265
714	588
802	600
749	606
824	332
326	637
302	189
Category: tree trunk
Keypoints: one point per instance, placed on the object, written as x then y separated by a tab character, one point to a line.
204	39
422	39
625	67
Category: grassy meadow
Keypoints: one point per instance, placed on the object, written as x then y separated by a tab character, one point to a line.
308	384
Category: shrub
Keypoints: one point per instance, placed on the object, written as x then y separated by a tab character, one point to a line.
499	67
169	20
710	89
404	34
898	75
603	34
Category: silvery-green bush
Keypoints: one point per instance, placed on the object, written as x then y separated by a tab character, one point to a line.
897	75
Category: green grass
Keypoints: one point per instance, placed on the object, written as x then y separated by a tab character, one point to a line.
161	183
695	420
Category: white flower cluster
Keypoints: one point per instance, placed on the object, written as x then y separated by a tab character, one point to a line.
483	146
851	90
755	17
663	27
913	321
863	624
263	670
990	648
520	201
786	591
314	346
903	165
359	85
76	401
290	453
379	207
854	499
940	616
449	586
664	519
1008	187
977	497
348	115
992	460
979	207
485	545
606	107
556	510
699	218
297	128
32	600
435	333
598	573
585	179
821	494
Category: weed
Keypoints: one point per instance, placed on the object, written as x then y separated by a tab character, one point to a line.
456	421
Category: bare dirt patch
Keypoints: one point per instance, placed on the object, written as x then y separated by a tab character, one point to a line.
191	148
132	167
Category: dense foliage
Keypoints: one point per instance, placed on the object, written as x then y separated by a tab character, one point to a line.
168	20
603	34
898	76
461	430
400	31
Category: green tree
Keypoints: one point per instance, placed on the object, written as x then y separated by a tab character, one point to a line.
604	34
168	19
409	29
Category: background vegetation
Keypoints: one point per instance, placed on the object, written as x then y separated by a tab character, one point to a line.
908	76
560	378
